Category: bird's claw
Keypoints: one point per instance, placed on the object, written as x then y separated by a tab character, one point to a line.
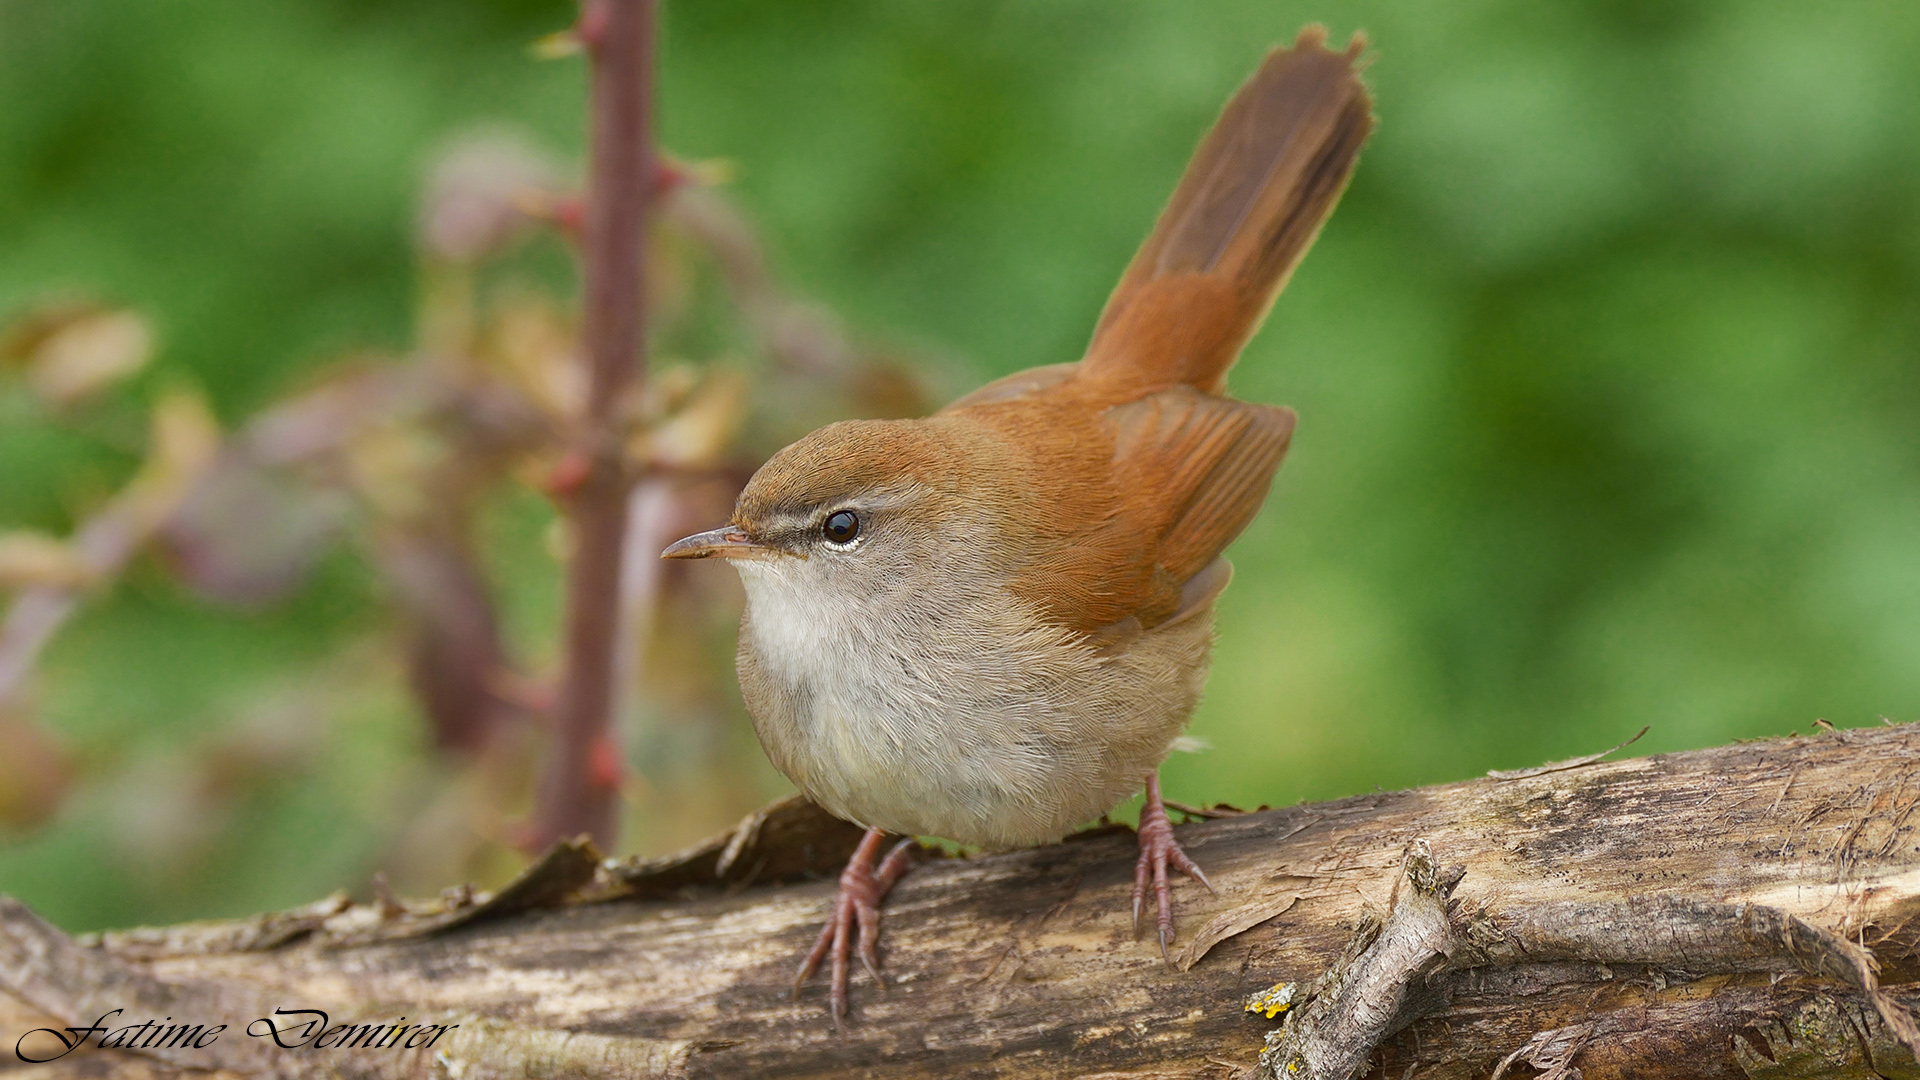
1158	849
856	918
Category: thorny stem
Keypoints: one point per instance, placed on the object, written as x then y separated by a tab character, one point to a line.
578	792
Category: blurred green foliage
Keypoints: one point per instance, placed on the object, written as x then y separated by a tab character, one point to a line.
1608	366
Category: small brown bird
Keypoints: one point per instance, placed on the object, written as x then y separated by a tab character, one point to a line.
990	625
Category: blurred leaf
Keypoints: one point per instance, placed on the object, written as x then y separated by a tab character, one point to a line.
247	535
478	192
556	46
35	772
388	463
29	558
72	351
182	444
702	427
532	341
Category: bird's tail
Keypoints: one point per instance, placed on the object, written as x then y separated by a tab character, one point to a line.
1246	211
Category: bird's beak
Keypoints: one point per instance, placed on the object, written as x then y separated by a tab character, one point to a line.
726	542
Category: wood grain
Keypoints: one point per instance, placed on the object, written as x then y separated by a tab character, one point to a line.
1024	964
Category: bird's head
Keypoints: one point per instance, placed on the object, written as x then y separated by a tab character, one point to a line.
852	501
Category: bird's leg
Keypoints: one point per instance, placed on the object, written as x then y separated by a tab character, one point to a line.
856	911
1157	849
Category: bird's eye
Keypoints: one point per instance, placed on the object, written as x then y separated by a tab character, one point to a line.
841	527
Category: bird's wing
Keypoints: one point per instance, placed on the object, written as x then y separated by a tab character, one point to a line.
1188	471
1207	459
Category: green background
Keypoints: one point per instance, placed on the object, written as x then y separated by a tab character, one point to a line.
1606	366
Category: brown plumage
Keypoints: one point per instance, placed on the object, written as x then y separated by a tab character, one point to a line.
991	623
1127	471
1248	208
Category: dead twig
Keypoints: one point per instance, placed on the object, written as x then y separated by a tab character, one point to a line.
1563	766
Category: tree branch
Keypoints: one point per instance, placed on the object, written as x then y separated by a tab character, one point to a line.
578	791
1748	911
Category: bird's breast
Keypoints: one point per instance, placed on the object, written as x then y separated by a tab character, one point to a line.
956	710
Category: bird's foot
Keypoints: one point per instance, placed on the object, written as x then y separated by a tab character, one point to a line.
856	912
1158	848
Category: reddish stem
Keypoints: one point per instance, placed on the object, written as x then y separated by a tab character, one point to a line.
579	792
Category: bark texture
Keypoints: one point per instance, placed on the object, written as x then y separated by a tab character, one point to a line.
1748	911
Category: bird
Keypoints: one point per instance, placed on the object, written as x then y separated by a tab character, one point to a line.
990	624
